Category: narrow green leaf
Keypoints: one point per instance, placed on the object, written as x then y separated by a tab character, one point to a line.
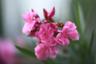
82	23
49	61
91	41
79	17
26	51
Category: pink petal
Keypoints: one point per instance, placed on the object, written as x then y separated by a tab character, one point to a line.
28	27
70	25
41	52
74	35
62	40
53	52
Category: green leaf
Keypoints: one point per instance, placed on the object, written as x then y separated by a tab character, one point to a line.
26	51
49	61
91	53
92	40
79	17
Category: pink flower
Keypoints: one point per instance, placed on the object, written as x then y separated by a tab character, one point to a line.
46	31
44	52
30	16
71	30
7	51
31	24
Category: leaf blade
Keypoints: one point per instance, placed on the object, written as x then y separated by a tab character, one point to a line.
25	51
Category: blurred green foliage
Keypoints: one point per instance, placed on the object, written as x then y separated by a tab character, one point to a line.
83	13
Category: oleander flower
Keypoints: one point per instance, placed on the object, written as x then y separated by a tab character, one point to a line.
71	29
30	16
43	52
32	22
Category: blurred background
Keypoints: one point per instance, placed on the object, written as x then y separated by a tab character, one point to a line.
82	12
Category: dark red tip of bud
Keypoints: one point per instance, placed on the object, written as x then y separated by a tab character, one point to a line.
45	14
52	13
32	10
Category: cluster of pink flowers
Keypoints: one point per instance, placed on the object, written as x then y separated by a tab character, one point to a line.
50	34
